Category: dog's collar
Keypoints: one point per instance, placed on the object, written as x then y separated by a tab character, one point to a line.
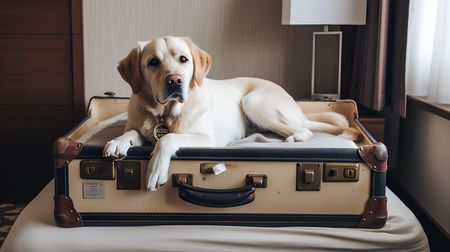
163	120
160	119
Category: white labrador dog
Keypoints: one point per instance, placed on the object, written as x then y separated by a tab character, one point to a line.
171	94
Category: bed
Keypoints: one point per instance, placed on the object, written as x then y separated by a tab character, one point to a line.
35	229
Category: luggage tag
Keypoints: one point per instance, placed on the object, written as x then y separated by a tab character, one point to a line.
93	190
219	168
212	168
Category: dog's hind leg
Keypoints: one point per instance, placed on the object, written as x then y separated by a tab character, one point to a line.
273	109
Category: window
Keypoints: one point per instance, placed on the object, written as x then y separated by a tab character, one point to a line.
427	51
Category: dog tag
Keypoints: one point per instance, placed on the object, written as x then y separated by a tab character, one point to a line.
160	130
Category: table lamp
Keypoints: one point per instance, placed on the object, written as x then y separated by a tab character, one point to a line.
327	45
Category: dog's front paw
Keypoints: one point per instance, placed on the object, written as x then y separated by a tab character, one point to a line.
157	172
117	147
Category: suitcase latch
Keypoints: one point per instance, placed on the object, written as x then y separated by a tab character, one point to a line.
97	169
128	175
341	172
309	176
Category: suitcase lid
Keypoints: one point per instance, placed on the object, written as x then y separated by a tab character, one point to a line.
106	107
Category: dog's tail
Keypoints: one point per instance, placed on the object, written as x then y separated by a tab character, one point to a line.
333	123
333	118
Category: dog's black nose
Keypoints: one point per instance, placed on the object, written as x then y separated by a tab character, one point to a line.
174	79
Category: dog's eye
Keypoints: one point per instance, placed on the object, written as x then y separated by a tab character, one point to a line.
154	62
183	59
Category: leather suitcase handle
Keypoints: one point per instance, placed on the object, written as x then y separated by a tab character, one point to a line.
216	197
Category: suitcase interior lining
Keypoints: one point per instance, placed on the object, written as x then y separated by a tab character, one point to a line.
106	130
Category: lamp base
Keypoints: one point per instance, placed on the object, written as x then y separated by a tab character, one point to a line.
326	64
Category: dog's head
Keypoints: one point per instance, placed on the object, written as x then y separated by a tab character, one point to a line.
165	68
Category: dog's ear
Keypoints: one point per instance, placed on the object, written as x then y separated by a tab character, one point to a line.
201	60
130	70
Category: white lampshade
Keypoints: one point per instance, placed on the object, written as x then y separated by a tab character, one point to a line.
324	12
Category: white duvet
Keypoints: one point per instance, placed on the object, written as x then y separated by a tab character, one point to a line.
35	230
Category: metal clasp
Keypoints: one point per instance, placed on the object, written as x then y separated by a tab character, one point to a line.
257	180
178	179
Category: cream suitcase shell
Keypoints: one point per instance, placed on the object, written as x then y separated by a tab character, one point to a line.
334	187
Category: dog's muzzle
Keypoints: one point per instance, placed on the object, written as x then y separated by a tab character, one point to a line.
174	87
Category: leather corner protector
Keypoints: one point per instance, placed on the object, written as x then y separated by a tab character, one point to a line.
64	151
65	213
375	214
375	155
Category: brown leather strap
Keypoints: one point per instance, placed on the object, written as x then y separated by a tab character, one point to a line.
375	155
375	215
64	212
64	151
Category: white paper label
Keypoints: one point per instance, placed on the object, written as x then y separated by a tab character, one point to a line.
219	168
93	190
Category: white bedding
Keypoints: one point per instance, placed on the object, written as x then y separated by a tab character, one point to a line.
35	230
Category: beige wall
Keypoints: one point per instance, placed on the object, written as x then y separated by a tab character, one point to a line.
244	38
424	162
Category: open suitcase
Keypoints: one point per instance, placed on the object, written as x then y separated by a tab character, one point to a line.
333	184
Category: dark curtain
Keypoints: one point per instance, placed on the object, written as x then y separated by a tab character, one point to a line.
374	57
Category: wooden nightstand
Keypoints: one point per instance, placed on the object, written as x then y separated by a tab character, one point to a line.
375	125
